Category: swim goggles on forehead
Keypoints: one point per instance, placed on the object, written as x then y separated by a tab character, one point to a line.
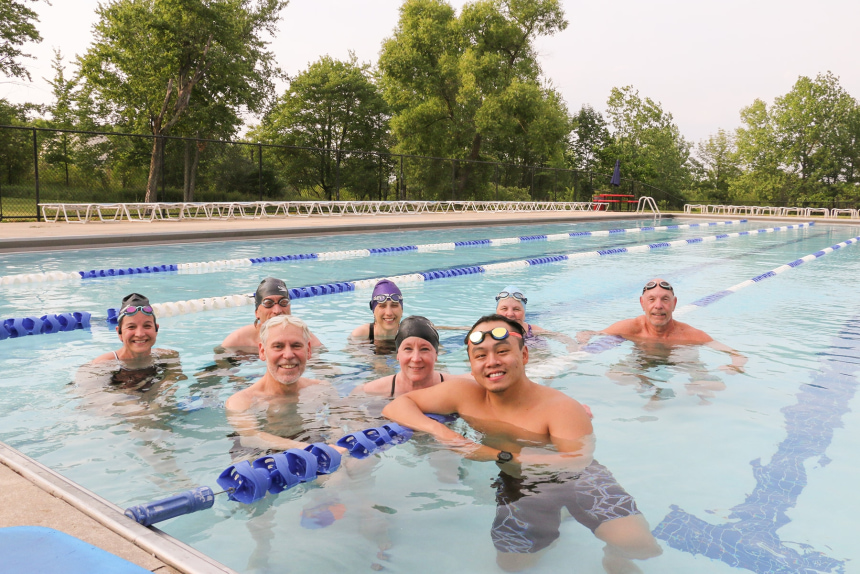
516	295
387	297
498	333
269	303
651	284
133	310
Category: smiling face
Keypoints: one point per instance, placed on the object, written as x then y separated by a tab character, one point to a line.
264	314
387	315
417	359
658	305
137	333
498	365
286	353
512	309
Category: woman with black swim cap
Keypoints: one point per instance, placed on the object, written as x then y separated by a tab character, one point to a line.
417	345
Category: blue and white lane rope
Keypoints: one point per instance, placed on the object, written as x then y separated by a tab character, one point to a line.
714	297
212	266
212	303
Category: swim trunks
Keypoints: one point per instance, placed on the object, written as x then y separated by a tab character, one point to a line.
528	515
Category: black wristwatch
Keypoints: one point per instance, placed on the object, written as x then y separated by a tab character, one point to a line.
504	456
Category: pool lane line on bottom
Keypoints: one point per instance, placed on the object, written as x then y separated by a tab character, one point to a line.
213	266
552	367
714	297
9	327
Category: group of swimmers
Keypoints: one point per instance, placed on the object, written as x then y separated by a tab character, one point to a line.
541	439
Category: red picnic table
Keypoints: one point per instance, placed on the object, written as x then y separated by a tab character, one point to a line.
602	201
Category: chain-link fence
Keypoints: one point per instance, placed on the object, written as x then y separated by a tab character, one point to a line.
39	165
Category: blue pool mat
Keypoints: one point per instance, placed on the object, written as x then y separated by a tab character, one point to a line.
28	549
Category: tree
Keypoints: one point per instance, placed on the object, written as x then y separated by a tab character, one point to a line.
333	106
17	27
468	87
56	148
589	137
646	140
154	60
716	166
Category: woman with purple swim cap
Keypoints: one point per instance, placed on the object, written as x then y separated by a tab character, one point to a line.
386	302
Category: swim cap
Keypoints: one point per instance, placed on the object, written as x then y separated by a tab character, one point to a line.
270	286
512	291
417	326
384	287
133	300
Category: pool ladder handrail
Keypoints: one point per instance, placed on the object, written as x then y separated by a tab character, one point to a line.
647	202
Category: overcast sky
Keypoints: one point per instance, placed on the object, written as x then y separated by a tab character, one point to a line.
702	59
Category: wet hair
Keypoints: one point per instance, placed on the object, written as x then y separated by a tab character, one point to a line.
284	321
513	327
270	286
417	326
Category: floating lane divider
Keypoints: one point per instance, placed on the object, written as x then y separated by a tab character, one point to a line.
714	297
248	482
211	266
21	327
211	303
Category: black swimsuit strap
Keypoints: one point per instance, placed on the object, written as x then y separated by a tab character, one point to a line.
370	331
393	382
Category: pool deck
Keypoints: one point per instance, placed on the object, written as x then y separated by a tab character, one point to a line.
34	495
42	236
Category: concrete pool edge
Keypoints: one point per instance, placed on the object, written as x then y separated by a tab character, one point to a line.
153	541
118	234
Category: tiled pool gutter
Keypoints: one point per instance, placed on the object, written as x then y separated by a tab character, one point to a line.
153	541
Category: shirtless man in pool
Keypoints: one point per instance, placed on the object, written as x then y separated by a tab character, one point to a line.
272	298
515	416
656	325
287	398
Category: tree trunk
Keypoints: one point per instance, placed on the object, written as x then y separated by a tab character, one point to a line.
466	170
155	168
192	159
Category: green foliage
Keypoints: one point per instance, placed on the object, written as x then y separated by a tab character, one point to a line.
588	138
157	62
17	27
333	106
715	166
468	87
646	140
805	146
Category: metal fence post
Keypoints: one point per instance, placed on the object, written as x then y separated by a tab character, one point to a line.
260	169
337	175
497	182
401	192
36	173
453	180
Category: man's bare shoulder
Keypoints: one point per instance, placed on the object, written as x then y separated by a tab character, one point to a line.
689	334
242	337
625	328
240	401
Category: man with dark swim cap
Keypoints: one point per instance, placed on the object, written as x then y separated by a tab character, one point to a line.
272	298
386	302
543	443
417	344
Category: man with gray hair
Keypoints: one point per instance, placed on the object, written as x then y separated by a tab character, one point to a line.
279	411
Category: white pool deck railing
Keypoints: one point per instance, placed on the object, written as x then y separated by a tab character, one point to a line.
168	211
711	209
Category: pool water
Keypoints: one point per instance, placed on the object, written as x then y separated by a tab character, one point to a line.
752	474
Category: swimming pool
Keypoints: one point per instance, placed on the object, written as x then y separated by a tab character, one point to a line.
694	460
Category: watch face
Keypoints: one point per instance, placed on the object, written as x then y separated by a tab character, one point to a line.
504	456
